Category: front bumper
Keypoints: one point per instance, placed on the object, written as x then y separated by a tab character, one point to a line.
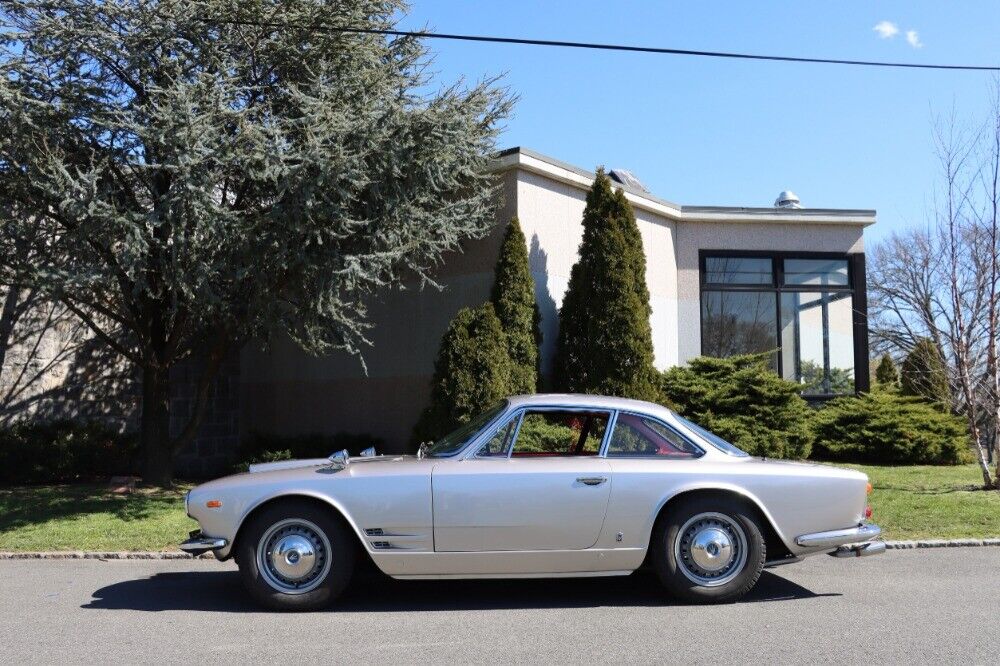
851	542
198	543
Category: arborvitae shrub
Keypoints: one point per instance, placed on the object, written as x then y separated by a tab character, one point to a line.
924	373
472	372
605	343
513	298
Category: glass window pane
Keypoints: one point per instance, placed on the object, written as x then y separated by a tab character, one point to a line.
560	433
817	341
638	436
818	272
738	270
738	322
498	444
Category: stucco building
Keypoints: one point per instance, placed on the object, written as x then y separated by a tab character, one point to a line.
722	280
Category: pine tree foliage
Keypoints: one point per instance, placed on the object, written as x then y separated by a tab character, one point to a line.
605	342
513	297
192	184
886	428
924	374
741	399
473	371
885	372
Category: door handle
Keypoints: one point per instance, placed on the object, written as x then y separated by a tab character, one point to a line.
591	480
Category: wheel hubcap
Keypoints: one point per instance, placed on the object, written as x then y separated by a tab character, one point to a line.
294	556
711	549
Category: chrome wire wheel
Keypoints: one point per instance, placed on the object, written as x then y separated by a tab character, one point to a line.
293	556
710	549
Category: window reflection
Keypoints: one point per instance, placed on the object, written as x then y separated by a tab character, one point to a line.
817	341
738	322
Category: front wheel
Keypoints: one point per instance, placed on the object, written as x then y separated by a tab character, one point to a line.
294	555
708	549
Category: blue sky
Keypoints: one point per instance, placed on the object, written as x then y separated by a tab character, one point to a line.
725	132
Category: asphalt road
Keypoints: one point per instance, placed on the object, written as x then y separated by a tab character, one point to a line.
922	606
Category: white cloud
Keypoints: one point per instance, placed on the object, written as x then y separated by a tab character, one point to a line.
913	39
887	29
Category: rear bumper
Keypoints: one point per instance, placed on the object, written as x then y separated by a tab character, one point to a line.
852	536
198	543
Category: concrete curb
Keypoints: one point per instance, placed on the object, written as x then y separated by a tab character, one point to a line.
80	555
177	555
941	543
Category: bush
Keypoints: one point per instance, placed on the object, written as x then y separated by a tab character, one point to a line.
924	374
886	373
64	450
884	427
471	373
605	342
743	400
261	448
513	297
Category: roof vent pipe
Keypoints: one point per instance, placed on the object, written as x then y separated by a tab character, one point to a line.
787	199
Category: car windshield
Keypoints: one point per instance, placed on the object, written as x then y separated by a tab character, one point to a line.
712	438
456	440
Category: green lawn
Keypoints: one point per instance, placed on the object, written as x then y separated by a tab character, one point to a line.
909	503
88	517
925	501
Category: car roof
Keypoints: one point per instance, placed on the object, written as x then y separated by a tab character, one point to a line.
585	400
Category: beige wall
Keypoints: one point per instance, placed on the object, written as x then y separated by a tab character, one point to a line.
695	236
551	214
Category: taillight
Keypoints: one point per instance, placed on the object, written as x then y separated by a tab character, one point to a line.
868	513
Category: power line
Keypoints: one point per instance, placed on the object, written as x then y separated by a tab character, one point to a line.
595	46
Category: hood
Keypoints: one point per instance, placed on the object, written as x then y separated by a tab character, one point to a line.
318	462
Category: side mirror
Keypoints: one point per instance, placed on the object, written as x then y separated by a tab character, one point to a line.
369	452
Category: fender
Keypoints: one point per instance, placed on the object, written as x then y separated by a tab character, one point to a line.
225	553
724	487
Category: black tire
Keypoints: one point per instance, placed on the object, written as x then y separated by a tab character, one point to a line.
671	550
309	521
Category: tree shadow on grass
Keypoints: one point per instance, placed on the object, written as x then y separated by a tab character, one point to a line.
24	506
220	591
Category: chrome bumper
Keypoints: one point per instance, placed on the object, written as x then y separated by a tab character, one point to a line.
199	544
854	536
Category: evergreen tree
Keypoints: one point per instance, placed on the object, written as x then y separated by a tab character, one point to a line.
183	185
472	372
886	373
513	298
605	342
742	399
924	374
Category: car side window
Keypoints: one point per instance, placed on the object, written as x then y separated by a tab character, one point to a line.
560	433
498	445
636	435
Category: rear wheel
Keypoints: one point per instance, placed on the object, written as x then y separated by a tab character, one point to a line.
295	555
708	549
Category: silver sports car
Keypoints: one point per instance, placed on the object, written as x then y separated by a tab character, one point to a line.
537	486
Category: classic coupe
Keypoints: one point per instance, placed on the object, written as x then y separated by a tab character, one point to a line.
537	486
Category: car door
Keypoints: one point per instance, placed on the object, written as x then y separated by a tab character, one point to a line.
537	484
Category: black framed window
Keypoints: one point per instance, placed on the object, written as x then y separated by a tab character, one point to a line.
808	308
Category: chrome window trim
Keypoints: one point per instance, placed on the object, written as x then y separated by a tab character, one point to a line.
642	415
